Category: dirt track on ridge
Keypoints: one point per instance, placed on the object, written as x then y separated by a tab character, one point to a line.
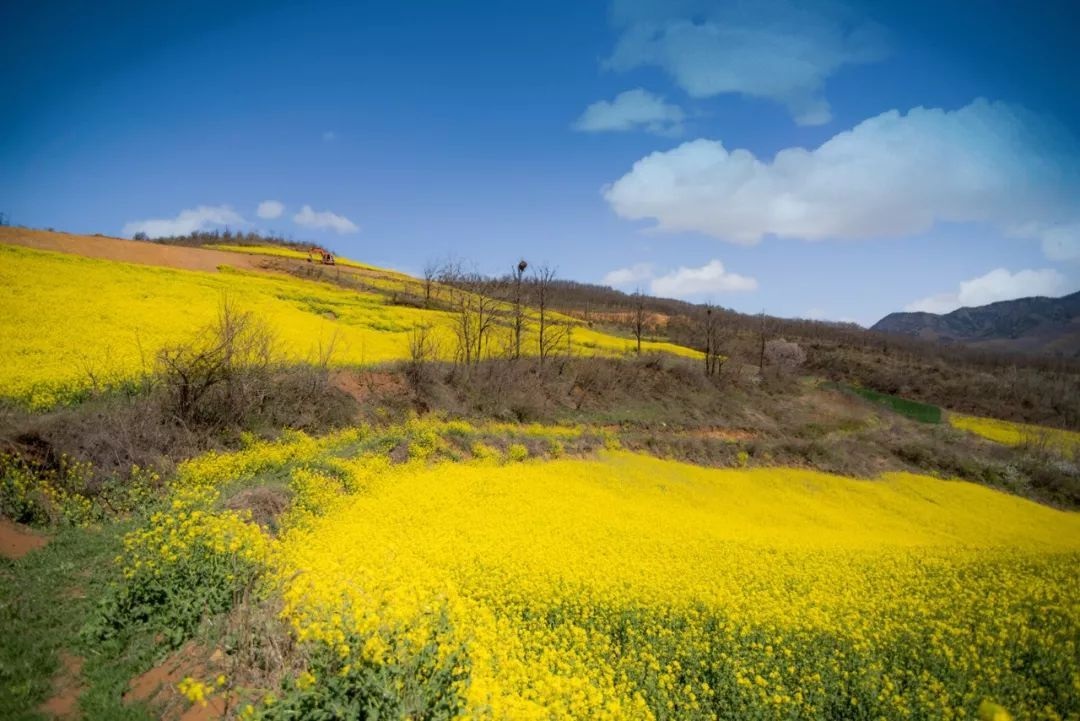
129	251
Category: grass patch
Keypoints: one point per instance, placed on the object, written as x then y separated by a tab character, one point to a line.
45	599
921	412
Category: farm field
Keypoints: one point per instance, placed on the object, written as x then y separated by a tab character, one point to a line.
516	585
71	321
617	361
1014	434
405	560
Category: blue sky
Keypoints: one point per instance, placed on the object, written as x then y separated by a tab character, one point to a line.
812	159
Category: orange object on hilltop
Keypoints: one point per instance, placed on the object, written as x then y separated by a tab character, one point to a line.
325	256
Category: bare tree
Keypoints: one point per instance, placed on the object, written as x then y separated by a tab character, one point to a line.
475	312
519	306
423	349
711	330
486	309
763	331
543	280
640	317
431	272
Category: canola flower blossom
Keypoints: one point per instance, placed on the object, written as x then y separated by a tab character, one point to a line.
194	690
506	586
1011	433
629	587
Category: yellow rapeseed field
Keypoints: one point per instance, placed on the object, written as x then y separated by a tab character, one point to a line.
69	321
1015	434
628	587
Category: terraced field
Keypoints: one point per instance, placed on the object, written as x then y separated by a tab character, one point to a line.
1012	433
71	321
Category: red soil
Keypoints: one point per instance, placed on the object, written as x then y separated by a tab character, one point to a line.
64	703
129	251
17	540
157	687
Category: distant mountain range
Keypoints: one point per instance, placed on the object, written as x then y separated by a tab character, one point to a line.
1030	325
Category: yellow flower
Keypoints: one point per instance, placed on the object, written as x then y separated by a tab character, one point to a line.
990	711
305	680
195	691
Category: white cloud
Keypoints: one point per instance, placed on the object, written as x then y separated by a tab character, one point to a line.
774	49
270	209
819	314
628	276
998	284
939	303
709	278
891	175
636	109
324	219
187	221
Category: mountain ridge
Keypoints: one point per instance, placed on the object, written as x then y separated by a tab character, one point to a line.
1036	324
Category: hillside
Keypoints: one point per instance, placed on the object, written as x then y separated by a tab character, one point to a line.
238	485
132	299
1028	325
1040	388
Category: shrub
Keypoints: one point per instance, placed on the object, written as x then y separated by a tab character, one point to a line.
221	376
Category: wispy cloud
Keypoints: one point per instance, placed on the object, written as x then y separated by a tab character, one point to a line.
891	175
324	220
270	209
622	277
998	284
708	279
690	283
775	49
187	221
329	136
822	315
636	109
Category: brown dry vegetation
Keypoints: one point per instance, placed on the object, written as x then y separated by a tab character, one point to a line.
661	405
1028	388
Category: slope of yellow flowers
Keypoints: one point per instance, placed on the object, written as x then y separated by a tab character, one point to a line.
627	587
70	321
1012	433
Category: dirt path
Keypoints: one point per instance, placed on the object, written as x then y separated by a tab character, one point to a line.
64	703
129	251
17	540
158	686
173	256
